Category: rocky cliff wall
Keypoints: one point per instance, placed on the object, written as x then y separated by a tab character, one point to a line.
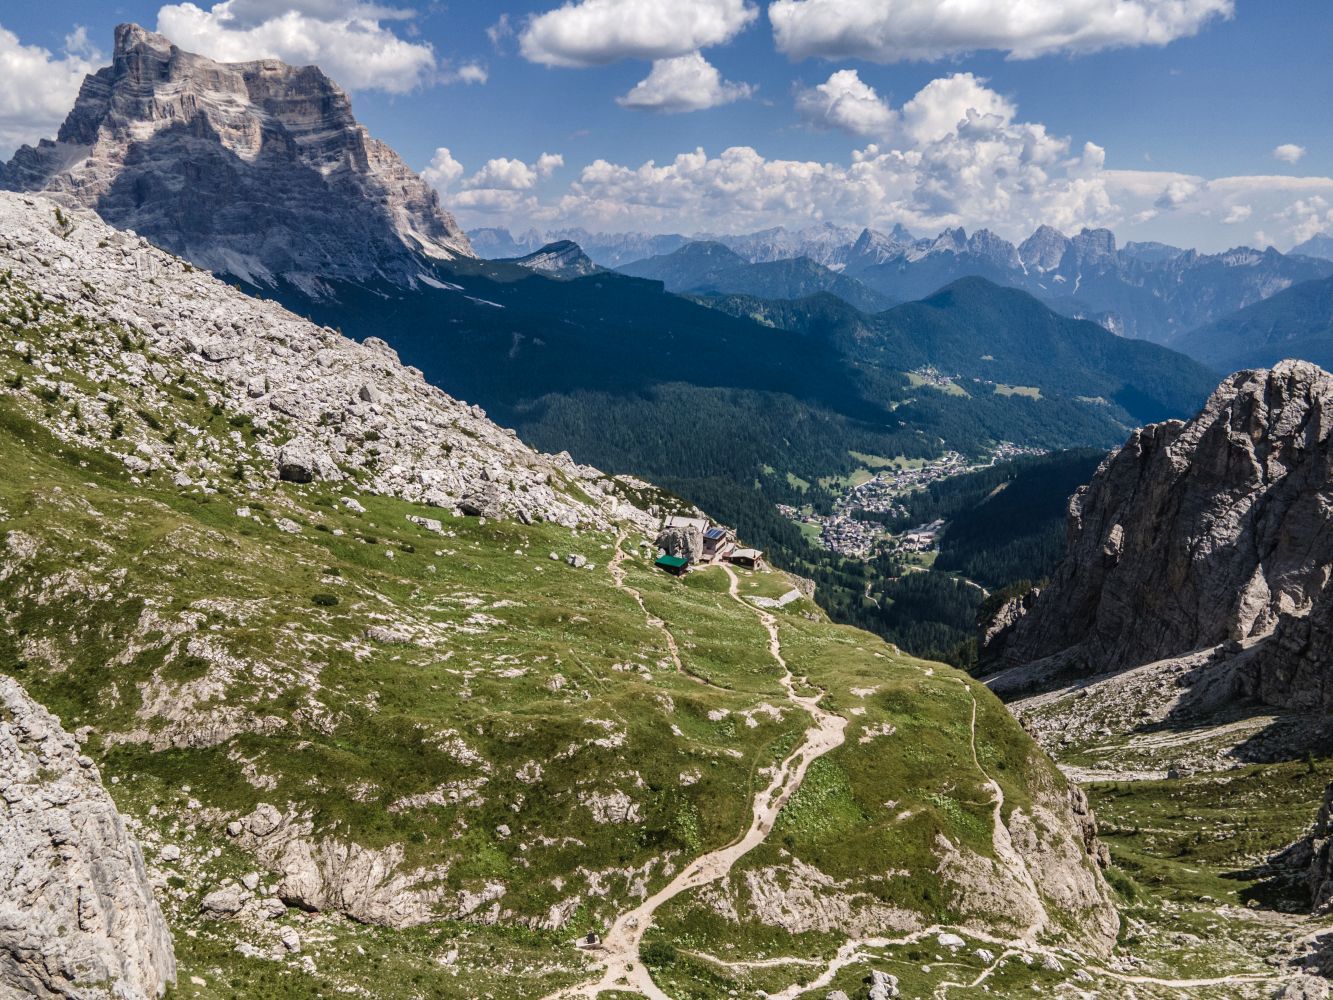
77	914
258	169
1195	533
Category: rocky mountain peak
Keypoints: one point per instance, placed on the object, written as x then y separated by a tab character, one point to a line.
561	259
1093	246
994	248
1319	245
950	241
255	169
874	247
1044	249
1195	534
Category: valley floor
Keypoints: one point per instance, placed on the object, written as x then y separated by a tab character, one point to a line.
1193	810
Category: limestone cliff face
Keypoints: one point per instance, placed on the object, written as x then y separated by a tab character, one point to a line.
1293	668
1313	856
77	914
254	169
1196	533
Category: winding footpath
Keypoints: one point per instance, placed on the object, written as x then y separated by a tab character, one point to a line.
618	577
624	971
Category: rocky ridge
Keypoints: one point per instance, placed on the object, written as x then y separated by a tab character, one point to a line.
78	917
1157	293
257	170
328	408
562	259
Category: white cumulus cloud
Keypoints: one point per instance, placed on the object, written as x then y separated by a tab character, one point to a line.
845	102
1178	193
942	106
547	164
600	32
958	154
895	30
959	162
468	73
1306	217
504	174
347	39
443	169
38	87
683	83
1289	152
502	187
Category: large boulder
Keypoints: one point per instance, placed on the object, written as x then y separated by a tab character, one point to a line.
302	461
687	543
483	501
77	913
882	985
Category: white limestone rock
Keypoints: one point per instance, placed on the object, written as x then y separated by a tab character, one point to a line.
77	912
416	443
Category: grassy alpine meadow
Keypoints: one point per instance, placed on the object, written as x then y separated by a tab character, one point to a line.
460	697
487	738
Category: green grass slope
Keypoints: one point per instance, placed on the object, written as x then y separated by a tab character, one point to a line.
474	751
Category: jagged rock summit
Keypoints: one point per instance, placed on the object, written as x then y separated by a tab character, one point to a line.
77	913
255	169
1195	534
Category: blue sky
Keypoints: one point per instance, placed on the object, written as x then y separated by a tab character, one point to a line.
1199	122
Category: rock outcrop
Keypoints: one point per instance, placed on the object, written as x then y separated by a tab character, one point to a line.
77	914
1195	534
1316	854
997	623
685	542
323	873
254	169
1293	668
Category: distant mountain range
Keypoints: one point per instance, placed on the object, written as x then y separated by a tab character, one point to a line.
1151	291
711	268
1319	245
1294	323
606	249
